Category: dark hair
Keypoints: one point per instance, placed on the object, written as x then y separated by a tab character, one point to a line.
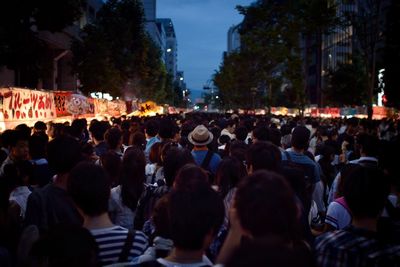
112	164
167	129
24	130
261	133
133	176
275	136
368	144
65	246
155	153
160	217
98	129
365	190
230	171
89	187
37	146
300	137
139	140
113	137
16	136
238	149
152	126
40	126
268	196
193	215
174	159
241	133
270	252
264	155
6	138
190	177
63	154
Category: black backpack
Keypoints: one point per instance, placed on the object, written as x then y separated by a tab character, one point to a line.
300	177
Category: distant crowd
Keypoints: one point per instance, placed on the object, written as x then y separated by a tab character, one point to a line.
199	189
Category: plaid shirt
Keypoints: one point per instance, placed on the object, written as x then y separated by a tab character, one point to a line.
353	247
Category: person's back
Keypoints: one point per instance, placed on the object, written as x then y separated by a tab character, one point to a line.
89	187
365	191
52	205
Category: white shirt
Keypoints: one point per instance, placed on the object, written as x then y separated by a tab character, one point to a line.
120	214
20	196
337	216
166	263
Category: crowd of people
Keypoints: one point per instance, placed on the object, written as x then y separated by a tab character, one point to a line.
201	189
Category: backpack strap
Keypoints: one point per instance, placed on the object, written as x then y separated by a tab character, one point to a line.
207	159
126	249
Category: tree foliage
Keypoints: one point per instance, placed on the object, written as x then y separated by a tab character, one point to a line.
348	84
270	52
117	56
20	48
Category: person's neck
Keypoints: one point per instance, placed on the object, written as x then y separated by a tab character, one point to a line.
101	221
297	150
185	256
61	181
365	223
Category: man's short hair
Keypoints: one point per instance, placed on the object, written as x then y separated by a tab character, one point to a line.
264	156
266	206
167	129
113	137
261	133
40	126
152	126
98	129
63	153
193	215
241	133
300	137
89	186
365	190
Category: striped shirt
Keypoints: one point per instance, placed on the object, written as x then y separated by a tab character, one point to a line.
111	240
353	247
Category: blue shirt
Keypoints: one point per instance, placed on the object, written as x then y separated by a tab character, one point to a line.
199	156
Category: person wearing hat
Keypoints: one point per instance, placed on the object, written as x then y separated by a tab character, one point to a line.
200	137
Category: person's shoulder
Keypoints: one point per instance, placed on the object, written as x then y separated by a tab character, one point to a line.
331	239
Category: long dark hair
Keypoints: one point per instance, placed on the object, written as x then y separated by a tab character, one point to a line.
133	176
230	172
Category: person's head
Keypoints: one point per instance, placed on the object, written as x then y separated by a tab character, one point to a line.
151	128
241	133
19	146
113	138
263	156
37	146
230	171
6	138
155	153
238	149
270	252
24	129
230	126
39	127
175	158
275	136
194	217
63	153
97	129
89	187
112	164
160	218
18	173
368	144
139	140
190	177
365	190
65	246
265	206
167	129
132	176
200	136
261	133
300	137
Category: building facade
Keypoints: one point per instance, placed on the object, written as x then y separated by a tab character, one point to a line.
171	51
233	39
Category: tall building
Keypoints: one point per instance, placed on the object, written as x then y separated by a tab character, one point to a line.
153	28
233	39
171	51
